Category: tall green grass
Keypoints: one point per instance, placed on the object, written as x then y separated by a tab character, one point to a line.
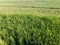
29	30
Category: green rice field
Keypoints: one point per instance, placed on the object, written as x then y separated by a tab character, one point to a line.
29	22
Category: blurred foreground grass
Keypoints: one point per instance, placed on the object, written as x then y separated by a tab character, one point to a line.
27	29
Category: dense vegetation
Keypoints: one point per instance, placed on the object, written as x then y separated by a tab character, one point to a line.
29	30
